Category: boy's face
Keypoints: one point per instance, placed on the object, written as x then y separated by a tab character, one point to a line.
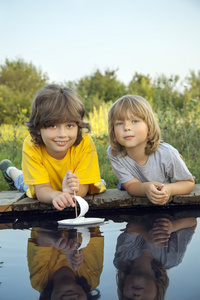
140	287
59	138
67	289
131	133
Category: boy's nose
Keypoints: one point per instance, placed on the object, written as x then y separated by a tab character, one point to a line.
61	132
127	126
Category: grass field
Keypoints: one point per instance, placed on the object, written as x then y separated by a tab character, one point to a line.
179	129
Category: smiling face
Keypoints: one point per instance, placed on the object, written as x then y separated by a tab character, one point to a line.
68	291
59	138
132	132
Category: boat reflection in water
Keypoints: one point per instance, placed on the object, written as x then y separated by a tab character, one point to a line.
66	263
141	248
144	253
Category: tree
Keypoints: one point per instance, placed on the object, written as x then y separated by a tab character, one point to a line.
99	88
193	82
164	93
141	85
19	82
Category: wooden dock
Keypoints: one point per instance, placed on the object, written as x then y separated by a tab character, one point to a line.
15	201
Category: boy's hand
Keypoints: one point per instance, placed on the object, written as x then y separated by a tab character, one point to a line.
157	236
157	192
70	183
68	245
76	259
63	200
163	224
160	233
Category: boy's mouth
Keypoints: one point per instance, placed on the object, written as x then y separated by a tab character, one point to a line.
128	137
61	143
70	293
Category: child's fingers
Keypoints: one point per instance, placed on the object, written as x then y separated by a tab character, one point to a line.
158	193
159	201
59	242
63	243
162	244
161	222
71	175
68	200
65	200
159	230
74	184
58	205
159	186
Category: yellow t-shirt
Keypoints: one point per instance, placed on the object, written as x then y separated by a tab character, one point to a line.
39	167
43	262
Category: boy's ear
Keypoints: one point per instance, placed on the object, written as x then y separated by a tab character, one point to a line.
38	132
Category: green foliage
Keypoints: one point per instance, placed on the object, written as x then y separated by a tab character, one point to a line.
19	81
193	82
177	110
141	85
99	88
107	174
12	150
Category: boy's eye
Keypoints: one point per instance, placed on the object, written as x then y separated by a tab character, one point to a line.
71	125
135	121
119	123
52	126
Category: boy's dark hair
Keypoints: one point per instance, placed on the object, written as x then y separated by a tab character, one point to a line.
55	104
82	281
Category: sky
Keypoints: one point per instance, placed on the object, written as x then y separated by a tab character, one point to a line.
70	39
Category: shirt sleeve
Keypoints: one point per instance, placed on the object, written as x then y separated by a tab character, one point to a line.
119	167
87	166
33	169
176	168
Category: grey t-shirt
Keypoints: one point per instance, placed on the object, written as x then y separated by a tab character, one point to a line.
129	247
164	165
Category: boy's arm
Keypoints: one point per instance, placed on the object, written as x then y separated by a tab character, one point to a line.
156	192
184	223
83	190
151	190
135	187
180	187
71	185
46	194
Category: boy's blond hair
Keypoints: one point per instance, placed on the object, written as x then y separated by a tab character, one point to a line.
161	278
52	105
139	107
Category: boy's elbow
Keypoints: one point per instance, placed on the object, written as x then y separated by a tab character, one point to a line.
128	188
189	186
192	184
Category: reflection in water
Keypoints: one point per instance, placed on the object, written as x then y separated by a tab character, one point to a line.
60	269
145	251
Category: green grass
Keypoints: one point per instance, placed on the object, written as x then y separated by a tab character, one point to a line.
181	132
104	163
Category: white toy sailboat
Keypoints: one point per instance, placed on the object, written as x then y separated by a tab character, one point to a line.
80	220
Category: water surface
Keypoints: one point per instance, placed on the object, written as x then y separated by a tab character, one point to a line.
32	251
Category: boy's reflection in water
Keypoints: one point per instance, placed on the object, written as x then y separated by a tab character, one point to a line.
61	272
145	251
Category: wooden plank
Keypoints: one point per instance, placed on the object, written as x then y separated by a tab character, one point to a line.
111	199
7	198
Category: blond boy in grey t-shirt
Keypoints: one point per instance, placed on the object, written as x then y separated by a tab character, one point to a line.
143	164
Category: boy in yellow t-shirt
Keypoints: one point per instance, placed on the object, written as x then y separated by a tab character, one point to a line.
58	159
56	266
